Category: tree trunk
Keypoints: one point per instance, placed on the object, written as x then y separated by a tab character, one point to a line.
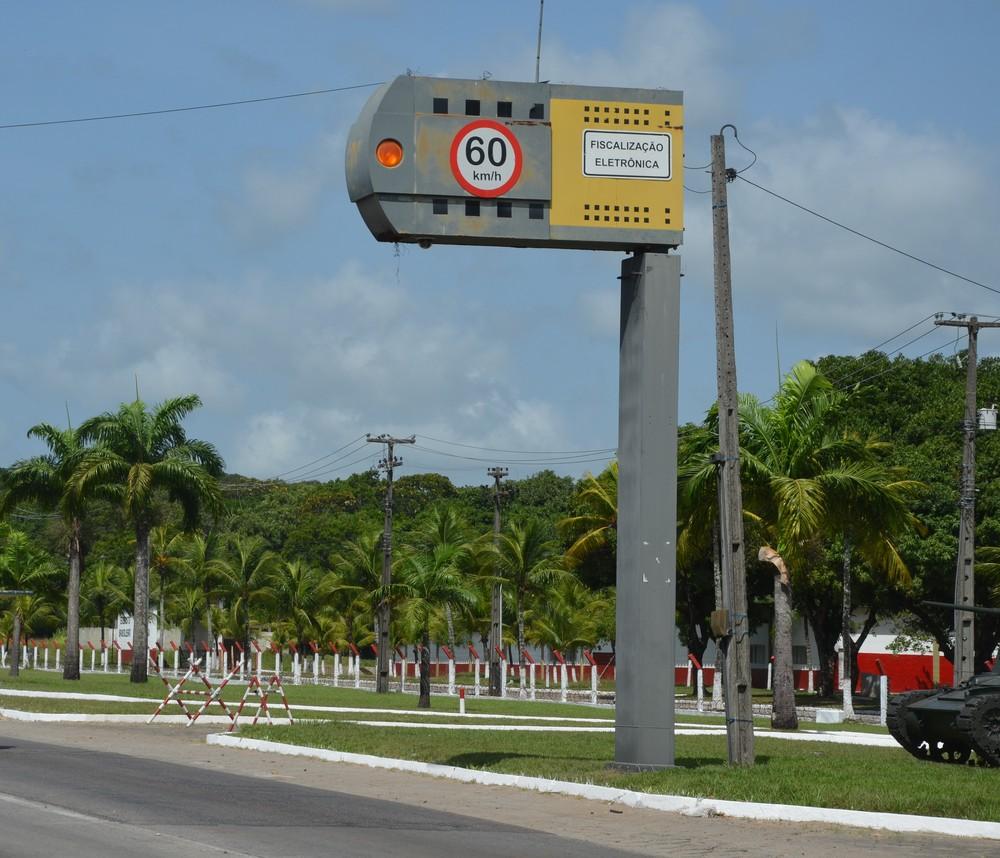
425	671
161	612
15	656
847	679
71	667
451	626
520	628
140	607
783	715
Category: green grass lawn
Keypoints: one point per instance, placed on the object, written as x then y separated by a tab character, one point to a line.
803	773
312	695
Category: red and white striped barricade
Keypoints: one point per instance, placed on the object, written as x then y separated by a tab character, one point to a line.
563	676
700	681
181	695
503	670
261	691
529	686
451	668
475	668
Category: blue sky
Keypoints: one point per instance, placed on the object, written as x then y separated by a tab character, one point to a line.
216	251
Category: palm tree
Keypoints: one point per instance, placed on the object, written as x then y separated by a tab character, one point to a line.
444	537
203	569
803	478
244	581
166	559
139	453
296	593
595	529
423	587
45	480
567	616
528	563
23	567
357	580
103	594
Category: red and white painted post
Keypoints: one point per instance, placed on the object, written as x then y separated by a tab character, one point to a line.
296	664
336	665
357	665
461	700
401	652
241	658
259	653
770	670
883	692
531	664
593	675
277	658
700	681
475	668
315	664
563	684
45	657
503	671
208	658
451	669
93	657
177	657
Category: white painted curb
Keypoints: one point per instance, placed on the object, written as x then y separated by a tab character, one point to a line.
671	803
109	718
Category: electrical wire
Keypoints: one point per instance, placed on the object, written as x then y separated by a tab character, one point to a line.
562	460
736	135
188	108
873	240
519	452
858	370
936	348
320	459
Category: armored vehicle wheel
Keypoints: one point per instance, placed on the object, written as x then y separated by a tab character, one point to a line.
904	729
980	721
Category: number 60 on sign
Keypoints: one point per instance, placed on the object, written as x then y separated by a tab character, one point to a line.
486	158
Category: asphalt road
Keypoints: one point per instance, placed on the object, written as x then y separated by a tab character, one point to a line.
58	801
99	789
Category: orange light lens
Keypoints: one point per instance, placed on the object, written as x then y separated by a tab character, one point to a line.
389	153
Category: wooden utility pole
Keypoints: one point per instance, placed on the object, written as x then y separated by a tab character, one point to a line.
384	618
496	606
965	568
732	623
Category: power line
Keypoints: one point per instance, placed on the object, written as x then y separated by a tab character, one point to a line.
188	108
521	452
858	370
936	348
561	460
320	459
873	240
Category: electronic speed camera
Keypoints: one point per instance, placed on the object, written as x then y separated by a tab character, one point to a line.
442	161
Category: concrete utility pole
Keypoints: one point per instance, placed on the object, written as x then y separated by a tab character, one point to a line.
496	607
387	464
733	624
965	569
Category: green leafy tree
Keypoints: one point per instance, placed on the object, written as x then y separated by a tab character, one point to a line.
138	453
24	567
244	582
104	594
45	480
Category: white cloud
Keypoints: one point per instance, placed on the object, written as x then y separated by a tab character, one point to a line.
600	309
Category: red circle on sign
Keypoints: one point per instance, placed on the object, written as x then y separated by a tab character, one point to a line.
515	148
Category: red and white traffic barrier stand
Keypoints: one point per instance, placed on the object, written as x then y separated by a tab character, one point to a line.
593	675
261	691
700	681
503	671
451	669
475	669
461	700
179	694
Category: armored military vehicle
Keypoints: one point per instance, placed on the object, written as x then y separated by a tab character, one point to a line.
950	725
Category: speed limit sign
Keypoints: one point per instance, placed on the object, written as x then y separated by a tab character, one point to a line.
486	158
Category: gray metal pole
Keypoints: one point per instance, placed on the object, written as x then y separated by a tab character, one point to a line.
496	606
647	511
736	626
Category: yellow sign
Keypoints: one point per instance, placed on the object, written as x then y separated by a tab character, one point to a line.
617	165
